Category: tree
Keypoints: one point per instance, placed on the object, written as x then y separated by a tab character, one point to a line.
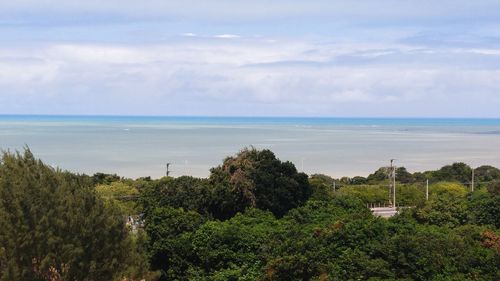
102	178
53	226
380	175
257	179
447	189
446	207
403	176
494	188
321	186
169	250
459	172
358	180
484	208
367	193
122	194
188	193
487	173
233	248
429	252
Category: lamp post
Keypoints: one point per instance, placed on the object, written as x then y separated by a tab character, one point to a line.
427	189
394	182
472	182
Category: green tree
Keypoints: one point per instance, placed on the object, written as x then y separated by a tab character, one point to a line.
54	227
443	211
429	252
102	178
321	186
459	172
487	173
233	248
484	208
410	194
403	176
188	193
358	180
367	193
121	194
494	188
169	247
256	178
380	175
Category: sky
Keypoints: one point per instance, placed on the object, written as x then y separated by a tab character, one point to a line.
362	58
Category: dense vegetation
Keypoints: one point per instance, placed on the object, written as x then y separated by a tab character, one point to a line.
254	218
53	226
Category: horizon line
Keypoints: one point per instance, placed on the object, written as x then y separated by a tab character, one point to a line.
243	116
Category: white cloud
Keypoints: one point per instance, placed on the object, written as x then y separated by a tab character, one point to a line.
255	77
284	57
227	36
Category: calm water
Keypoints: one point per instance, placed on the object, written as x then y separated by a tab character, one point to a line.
140	146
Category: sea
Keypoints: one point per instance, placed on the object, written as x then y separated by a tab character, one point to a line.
139	146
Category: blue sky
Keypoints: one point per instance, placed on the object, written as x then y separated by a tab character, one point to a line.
251	58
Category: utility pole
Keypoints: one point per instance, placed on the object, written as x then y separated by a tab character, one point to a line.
472	182
394	183
168	169
427	190
390	184
333	185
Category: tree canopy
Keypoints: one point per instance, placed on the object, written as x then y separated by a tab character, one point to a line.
258	179
255	218
53	226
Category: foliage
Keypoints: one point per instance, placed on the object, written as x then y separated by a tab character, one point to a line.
484	208
427	252
358	180
367	193
403	176
188	193
379	175
450	189
257	179
234	245
102	178
122	194
487	173
168	249
410	194
255	218
459	172
321	187
446	207
54	227
494	188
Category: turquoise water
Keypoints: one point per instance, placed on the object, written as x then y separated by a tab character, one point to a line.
140	146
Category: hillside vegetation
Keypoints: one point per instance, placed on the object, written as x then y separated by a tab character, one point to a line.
254	218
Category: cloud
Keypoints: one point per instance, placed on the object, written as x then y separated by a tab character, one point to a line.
344	58
227	36
254	77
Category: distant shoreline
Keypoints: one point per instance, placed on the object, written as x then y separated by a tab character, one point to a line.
140	146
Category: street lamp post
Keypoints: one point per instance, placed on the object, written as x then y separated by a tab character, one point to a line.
393	183
472	182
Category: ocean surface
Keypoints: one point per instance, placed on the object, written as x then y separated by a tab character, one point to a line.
141	146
